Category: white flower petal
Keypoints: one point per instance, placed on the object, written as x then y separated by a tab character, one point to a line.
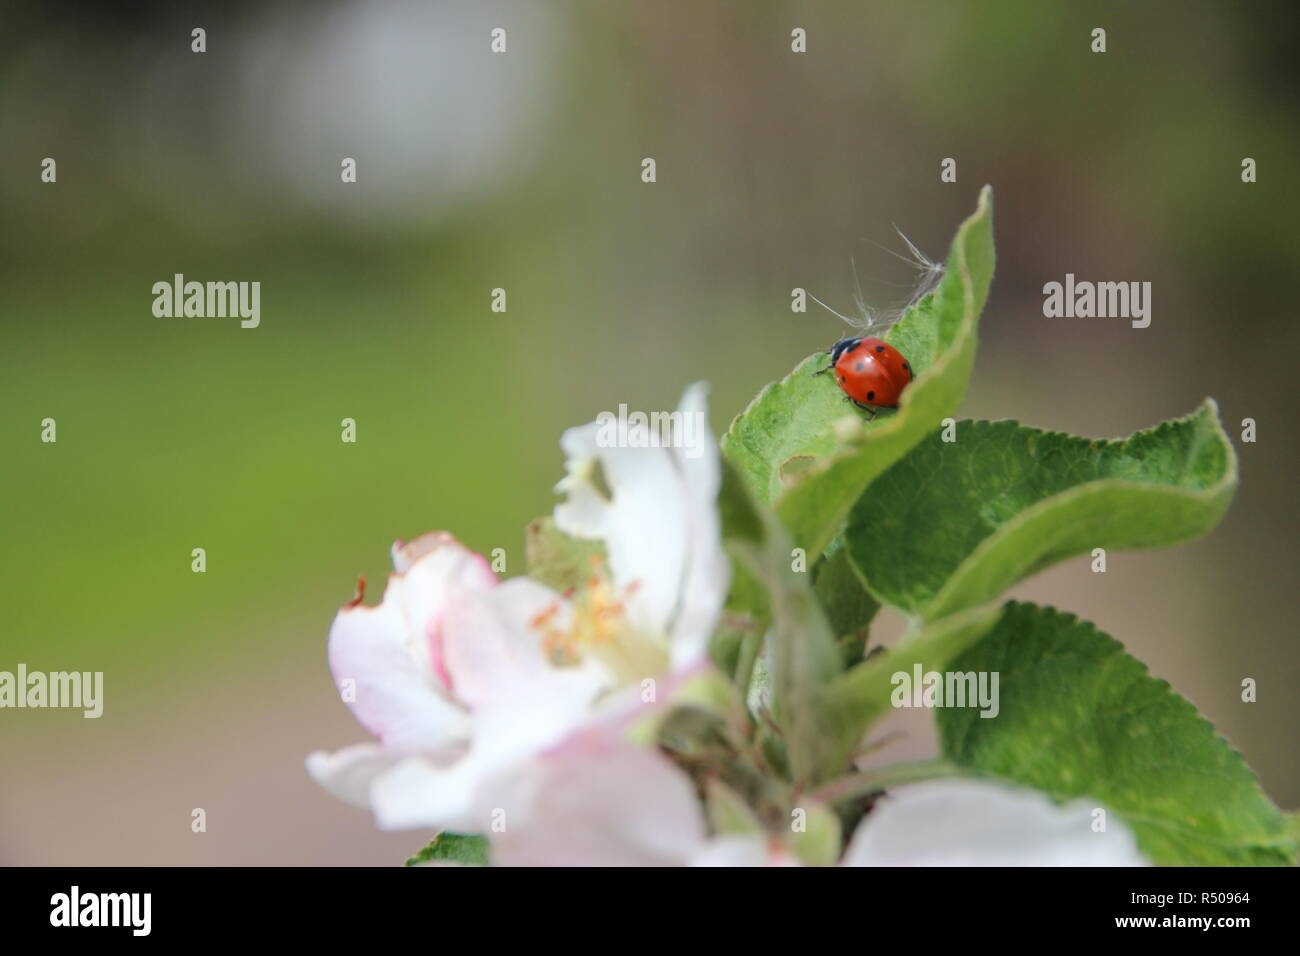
708	573
643	526
348	773
748	850
585	507
659	525
980	823
416	792
733	851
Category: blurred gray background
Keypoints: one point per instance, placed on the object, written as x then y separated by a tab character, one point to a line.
522	171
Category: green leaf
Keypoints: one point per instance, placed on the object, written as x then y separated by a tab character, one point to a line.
556	559
848	605
453	848
1080	717
860	696
800	447
954	524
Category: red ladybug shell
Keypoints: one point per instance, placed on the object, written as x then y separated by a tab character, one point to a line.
870	372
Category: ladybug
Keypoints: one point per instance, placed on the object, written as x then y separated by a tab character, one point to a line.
871	373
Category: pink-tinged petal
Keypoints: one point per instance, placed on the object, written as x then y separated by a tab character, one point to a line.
440	569
981	823
593	802
493	642
491	645
406	553
387	661
519	704
389	692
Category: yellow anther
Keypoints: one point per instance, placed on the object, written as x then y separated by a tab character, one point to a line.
597	617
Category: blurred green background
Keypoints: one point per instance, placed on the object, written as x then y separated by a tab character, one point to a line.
522	171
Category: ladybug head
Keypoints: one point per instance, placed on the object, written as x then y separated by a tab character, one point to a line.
842	346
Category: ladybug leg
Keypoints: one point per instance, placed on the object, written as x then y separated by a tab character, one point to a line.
869	409
823	371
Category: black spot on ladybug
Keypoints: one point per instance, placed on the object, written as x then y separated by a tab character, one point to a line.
906	366
880	348
871	396
860	366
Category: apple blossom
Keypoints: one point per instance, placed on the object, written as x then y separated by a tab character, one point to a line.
463	679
